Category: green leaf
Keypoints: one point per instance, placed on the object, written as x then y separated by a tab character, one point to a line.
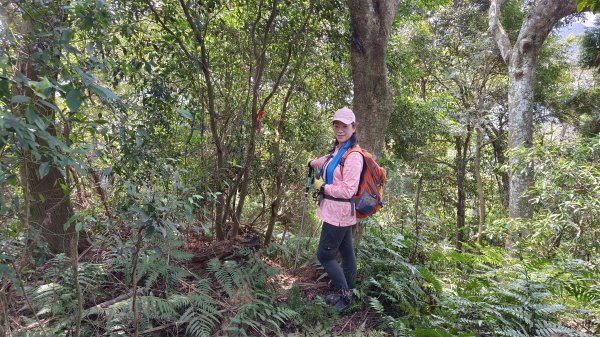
185	114
20	77
18	99
66	35
429	277
103	92
583	4
12	180
4	62
4	89
44	169
42	88
420	332
78	227
48	105
74	99
150	231
70	221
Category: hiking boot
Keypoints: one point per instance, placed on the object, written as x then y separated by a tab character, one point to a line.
332	298
344	301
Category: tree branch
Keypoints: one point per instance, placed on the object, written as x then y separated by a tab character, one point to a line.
497	31
541	19
163	24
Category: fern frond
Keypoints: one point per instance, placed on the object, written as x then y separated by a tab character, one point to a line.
198	324
221	276
376	305
157	308
547	309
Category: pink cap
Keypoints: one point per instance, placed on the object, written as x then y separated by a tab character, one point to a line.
345	116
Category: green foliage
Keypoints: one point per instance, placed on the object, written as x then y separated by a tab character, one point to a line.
393	286
567	198
509	298
56	296
169	293
260	314
227	275
554	83
590	46
152	267
286	251
587	4
314	317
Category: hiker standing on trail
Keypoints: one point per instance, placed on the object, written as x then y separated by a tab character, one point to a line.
341	181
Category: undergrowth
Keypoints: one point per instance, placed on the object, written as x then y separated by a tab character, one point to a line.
229	298
479	292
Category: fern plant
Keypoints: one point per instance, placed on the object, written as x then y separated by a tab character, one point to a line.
509	300
250	298
153	268
394	287
56	296
195	309
227	275
259	315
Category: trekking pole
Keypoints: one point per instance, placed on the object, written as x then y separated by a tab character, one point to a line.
308	181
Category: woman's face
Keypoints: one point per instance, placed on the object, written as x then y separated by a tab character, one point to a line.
342	131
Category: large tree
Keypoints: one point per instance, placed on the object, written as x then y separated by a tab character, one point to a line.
371	24
521	58
34	76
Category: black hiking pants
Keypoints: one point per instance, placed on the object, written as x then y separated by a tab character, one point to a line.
334	238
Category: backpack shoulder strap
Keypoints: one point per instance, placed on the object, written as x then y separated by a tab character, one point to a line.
355	148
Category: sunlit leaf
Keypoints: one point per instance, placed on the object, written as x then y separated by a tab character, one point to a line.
42	88
103	92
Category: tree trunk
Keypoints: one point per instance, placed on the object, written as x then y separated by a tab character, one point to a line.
101	191
275	206
520	132
480	192
4	307
204	64
461	147
498	137
279	175
416	210
48	196
521	60
260	55
50	206
371	23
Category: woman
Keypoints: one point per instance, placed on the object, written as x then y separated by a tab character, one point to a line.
341	182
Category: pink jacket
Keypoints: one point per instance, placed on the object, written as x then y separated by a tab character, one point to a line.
345	185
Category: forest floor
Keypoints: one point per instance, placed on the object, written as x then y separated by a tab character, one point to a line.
313	283
309	278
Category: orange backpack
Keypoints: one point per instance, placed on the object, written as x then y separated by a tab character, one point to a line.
368	198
